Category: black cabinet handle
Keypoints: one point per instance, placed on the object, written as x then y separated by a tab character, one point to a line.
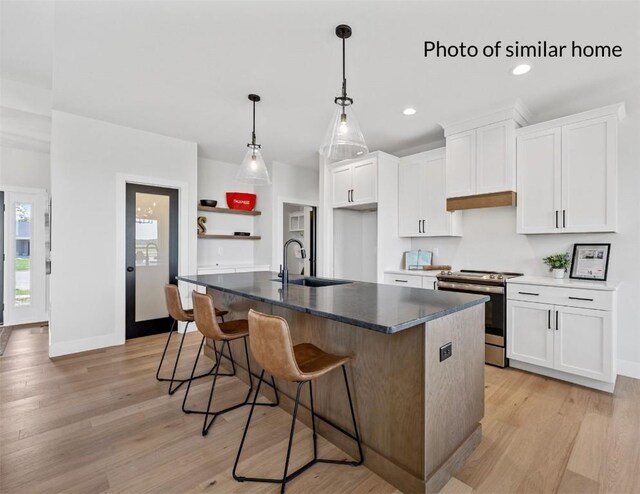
564	218
549	319
557	218
402	281
529	293
129	269
424	226
419	226
556	320
580	298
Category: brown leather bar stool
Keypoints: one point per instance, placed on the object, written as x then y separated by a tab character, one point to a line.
204	314
178	313
271	346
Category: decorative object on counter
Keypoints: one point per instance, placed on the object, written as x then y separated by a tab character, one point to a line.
417	259
241	200
558	264
209	203
437	267
241	234
202	229
252	169
590	262
344	139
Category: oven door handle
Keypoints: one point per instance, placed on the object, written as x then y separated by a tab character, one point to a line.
468	287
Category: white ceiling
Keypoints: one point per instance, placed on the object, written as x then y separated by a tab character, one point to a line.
184	68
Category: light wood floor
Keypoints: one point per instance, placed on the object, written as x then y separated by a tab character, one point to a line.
100	422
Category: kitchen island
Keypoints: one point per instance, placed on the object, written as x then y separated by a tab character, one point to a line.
418	410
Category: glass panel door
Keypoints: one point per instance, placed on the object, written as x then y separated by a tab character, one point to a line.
22	212
152	257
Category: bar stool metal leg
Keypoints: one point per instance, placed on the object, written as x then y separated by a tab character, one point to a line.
288	477
216	372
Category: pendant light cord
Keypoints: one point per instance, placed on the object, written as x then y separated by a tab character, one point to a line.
344	70
253	132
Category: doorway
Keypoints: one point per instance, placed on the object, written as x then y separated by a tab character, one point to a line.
299	221
24	258
151	257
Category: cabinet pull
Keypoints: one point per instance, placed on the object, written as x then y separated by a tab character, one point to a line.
549	319
581	298
529	293
402	281
564	218
557	218
352	199
424	226
556	320
419	226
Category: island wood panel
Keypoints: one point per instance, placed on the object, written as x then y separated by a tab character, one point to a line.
454	391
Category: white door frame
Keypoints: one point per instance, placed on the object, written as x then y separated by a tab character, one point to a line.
278	237
38	246
185	243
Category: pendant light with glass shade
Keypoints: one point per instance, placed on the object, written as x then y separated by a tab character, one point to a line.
252	169
344	139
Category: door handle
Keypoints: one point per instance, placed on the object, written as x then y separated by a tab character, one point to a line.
556	320
351	195
419	226
549	319
557	219
129	269
564	218
529	293
401	281
581	298
424	226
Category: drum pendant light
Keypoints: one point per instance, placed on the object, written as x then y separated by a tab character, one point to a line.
344	138
252	169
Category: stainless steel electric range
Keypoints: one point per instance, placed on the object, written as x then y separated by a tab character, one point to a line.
493	284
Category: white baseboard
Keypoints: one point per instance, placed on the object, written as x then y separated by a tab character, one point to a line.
83	345
629	368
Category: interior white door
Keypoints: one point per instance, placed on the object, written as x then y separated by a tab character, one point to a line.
365	183
583	342
495	157
434	198
589	178
539	181
410	183
25	297
341	186
530	333
461	164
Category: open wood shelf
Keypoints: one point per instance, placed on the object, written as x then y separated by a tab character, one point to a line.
231	237
229	211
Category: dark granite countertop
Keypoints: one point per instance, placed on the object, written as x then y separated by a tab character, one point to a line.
384	308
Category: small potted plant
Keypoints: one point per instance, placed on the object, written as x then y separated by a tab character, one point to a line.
558	264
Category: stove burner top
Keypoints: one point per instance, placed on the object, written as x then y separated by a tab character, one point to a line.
482	276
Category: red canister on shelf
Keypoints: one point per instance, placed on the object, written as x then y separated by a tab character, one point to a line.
241	200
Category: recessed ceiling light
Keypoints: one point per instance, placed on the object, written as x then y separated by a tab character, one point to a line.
521	69
409	111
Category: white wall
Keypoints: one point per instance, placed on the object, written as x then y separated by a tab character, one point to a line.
215	178
90	161
21	168
490	242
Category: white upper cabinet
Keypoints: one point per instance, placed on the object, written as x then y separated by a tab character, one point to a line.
355	184
461	164
481	152
567	173
422	202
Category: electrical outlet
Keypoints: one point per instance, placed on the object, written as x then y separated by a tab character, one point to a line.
446	351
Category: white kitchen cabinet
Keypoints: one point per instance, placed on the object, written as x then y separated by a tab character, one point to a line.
461	164
565	330
496	157
530	336
422	202
399	278
567	174
355	184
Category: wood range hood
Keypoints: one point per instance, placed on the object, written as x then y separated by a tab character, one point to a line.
478	201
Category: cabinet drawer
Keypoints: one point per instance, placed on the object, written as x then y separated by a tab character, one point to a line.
573	297
403	280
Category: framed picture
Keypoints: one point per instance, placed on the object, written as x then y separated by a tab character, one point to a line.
590	262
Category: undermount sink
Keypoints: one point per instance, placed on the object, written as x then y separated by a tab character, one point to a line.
314	282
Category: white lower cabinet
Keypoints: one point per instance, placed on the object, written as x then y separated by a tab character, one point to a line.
570	342
410	280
